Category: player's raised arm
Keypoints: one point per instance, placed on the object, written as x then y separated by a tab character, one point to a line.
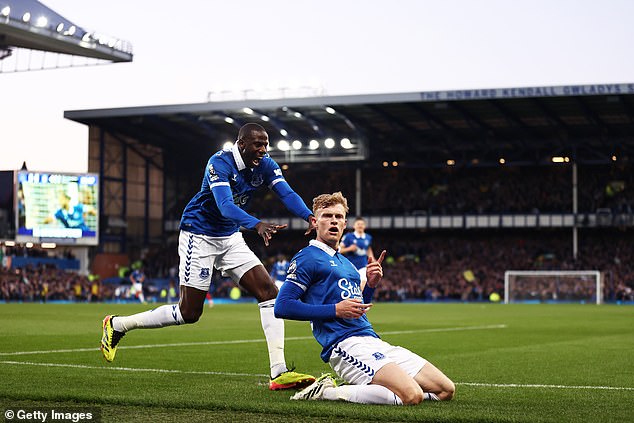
291	200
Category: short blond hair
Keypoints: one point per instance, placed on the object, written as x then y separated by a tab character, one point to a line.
328	200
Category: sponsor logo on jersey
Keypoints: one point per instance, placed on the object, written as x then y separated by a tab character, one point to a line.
349	289
204	273
257	180
332	263
278	172
234	177
240	200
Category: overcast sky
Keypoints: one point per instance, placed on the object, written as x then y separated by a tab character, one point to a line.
183	50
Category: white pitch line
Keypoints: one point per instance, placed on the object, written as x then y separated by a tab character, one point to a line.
133	369
129	369
241	341
518	385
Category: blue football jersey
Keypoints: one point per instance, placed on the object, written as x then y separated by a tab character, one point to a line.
279	269
226	168
359	257
327	277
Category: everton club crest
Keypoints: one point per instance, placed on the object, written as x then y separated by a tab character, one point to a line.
257	180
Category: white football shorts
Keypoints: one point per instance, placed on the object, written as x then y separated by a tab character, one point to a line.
357	359
200	254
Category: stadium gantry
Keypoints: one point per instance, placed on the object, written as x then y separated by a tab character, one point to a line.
35	37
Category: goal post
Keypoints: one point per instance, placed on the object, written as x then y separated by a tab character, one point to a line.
581	286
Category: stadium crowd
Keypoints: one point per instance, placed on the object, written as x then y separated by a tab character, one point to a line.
454	265
47	283
420	266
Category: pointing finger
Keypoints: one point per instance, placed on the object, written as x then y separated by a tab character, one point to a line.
381	257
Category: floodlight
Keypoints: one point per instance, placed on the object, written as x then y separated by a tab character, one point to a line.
297	144
41	22
60	27
248	111
26	17
330	110
345	143
5	11
227	145
283	145
283	132
229	120
313	145
265	118
329	143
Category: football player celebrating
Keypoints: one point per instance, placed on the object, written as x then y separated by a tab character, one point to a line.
324	287
210	239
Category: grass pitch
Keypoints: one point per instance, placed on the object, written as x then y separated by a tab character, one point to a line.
510	363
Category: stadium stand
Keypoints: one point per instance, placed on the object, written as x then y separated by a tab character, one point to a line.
458	186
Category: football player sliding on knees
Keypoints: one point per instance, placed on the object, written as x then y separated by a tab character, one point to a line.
325	288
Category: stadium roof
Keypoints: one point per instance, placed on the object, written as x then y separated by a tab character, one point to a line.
587	123
30	25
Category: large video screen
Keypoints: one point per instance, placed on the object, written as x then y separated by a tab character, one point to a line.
57	207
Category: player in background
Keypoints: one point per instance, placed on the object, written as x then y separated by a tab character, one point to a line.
210	238
356	247
324	287
71	216
279	269
137	277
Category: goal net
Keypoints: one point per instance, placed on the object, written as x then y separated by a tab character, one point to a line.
545	286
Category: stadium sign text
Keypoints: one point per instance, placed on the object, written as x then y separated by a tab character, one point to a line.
566	90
